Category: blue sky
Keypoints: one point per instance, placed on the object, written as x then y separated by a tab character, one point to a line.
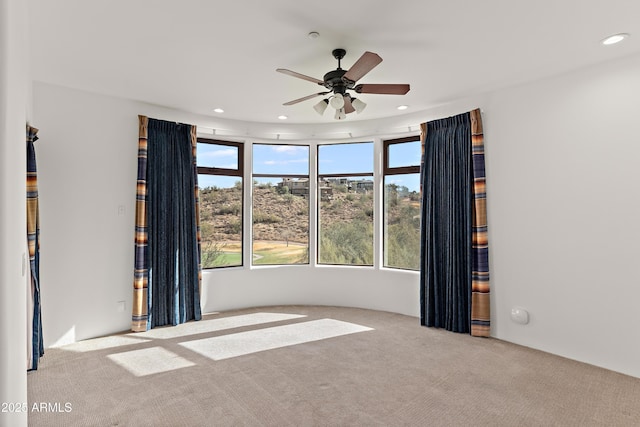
404	155
411	181
294	159
218	156
280	159
345	158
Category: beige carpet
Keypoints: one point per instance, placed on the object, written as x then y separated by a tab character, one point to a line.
320	366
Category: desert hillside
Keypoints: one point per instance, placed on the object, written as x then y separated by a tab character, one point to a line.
346	223
276	216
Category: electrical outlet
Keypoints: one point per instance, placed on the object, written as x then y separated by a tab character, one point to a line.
120	306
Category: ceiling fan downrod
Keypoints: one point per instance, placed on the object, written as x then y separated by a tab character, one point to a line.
333	79
339	54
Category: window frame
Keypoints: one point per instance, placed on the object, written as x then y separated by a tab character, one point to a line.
389	171
399	170
271	175
320	177
238	172
206	170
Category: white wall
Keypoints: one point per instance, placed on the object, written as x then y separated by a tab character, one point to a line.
564	213
87	162
562	204
385	290
13	286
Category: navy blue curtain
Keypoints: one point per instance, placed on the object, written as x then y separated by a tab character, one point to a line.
36	346
446	238
173	257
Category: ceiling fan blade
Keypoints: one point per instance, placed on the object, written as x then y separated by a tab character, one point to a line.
304	98
383	89
348	107
363	65
300	76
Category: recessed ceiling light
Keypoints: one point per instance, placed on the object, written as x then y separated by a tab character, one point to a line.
283	117
402	107
218	110
313	35
616	38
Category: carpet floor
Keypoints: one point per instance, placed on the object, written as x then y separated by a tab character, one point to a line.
320	366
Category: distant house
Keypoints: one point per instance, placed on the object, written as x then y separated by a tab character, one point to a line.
361	186
337	181
296	186
358	186
300	187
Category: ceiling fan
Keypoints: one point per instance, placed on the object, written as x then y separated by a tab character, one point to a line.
339	81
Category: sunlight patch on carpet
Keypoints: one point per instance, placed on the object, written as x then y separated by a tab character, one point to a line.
102	343
233	345
149	361
204	326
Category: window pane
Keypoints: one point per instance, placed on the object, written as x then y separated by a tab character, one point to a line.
404	154
280	221
220	220
345	229
345	158
402	221
280	159
217	156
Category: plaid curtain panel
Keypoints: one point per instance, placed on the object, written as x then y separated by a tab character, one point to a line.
36	345
480	307
140	313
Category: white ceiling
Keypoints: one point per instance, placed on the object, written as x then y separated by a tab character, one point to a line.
196	55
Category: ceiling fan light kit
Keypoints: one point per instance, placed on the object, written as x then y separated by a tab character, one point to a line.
321	106
337	101
358	105
340	81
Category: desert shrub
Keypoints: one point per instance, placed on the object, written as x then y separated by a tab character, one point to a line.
283	189
403	245
366	198
232	209
235	227
339	188
210	251
336	205
288	198
265	218
347	243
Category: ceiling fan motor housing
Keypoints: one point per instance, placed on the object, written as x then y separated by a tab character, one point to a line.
333	81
